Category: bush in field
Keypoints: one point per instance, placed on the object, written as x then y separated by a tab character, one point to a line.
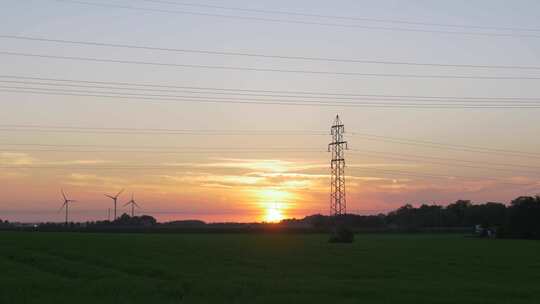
342	234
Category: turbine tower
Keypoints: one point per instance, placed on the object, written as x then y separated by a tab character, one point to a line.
114	198
66	204
338	146
133	205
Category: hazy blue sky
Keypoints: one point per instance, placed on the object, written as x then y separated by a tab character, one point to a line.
217	190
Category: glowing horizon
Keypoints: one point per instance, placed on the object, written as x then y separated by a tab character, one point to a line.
232	190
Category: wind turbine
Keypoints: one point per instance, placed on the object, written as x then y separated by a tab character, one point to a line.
133	205
114	198
66	204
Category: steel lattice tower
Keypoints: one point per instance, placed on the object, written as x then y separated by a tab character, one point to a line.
338	146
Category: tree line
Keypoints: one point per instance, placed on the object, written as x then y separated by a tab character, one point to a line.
519	219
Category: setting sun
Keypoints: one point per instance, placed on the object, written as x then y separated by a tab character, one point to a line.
273	215
273	202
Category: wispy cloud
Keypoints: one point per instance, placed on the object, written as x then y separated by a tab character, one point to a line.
377	165
10	158
12	175
77	162
271	165
93	181
24	159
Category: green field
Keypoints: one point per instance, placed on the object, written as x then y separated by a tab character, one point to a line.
265	268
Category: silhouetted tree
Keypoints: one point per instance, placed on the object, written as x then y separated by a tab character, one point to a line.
456	212
523	218
402	217
487	215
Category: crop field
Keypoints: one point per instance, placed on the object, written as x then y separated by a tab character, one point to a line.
265	268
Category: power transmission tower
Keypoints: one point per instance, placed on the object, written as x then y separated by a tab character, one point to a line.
338	205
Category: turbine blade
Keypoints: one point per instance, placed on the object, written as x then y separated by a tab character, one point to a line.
119	193
63	205
63	194
127	204
136	205
111	197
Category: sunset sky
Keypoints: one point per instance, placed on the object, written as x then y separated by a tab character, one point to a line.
261	162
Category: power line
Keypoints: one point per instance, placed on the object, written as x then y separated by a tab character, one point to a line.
376	102
170	149
439	145
383	156
162	167
399	140
371	97
289	21
84	130
161	152
170	100
234	90
416	141
201	150
423	157
246	54
122	167
273	151
166	96
445	177
237	132
234	94
382	102
69	167
342	17
197	149
235	68
381	105
221	132
175	167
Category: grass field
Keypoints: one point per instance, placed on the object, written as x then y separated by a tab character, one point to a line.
251	268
